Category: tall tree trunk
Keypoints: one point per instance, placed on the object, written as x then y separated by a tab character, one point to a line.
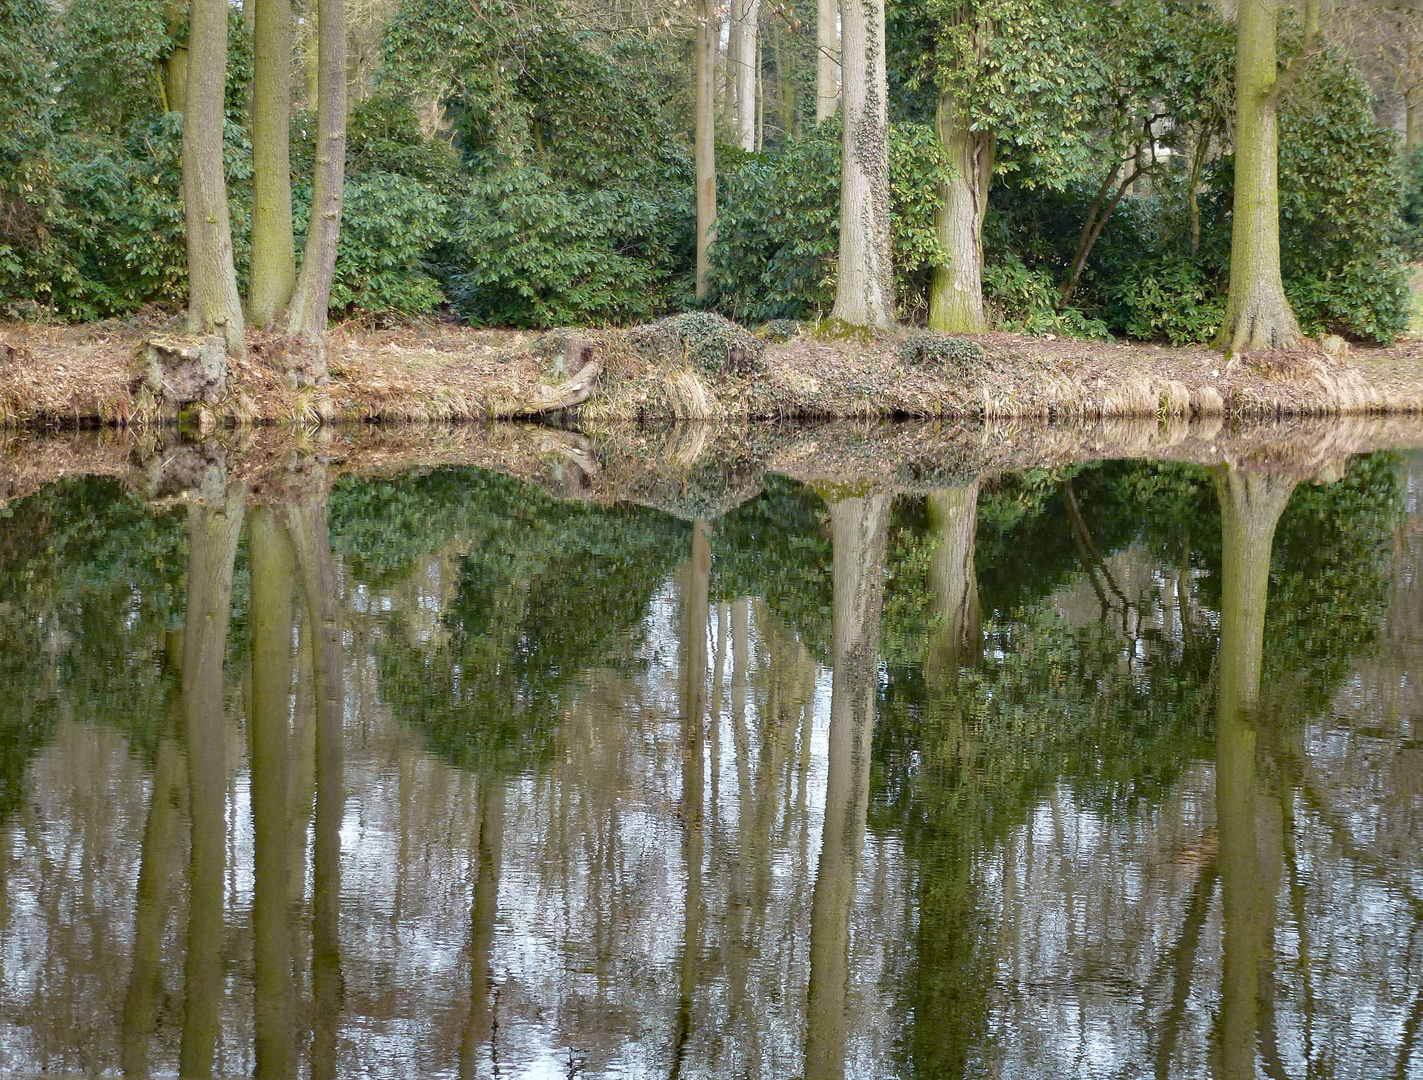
859	530
175	66
956	289
785	86
705	138
745	26
212	549
479	1028
696	580
318	262
213	302
732	65
1251	505
953	584
273	249
318	581
1413	119
273	566
864	287
1257	314
827	58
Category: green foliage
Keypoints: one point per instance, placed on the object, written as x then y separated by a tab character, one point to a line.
929	348
777	236
1171	296
1024	301
715	345
1411	210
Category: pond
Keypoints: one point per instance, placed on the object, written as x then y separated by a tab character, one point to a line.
693	755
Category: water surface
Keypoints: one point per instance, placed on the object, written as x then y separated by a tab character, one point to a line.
1108	770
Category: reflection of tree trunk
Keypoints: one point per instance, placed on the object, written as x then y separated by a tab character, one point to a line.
273	569
953	584
859	529
160	836
695	609
318	581
1250	508
212	547
480	1028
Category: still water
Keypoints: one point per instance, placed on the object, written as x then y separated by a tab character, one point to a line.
1107	770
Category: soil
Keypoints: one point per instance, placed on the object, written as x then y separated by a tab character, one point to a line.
441	371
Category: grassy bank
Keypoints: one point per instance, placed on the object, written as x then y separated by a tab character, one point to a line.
700	370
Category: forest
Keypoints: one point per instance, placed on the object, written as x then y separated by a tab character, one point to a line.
1247	174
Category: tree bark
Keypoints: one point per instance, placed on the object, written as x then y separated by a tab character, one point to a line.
212	549
273	249
1251	506
214	305
745	25
1257	314
860	531
953	585
273	566
956	288
864	289
705	138
827	58
1413	119
307	318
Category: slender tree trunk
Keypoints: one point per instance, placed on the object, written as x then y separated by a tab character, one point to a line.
1257	314
318	581
745	27
212	549
1097	217
480	1027
1251	505
730	81
864	289
1413	122
696	580
956	288
785	87
705	139
827	58
859	530
273	249
953	584
318	262
213	302
273	566
1193	187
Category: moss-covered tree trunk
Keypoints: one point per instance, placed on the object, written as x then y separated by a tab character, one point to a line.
1257	314
827	58
705	150
214	305
859	533
864	287
273	249
273	567
212	549
953	585
956	288
312	296
1251	505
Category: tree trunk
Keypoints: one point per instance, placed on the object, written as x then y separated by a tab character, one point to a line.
1251	505
1257	314
953	585
273	249
705	139
785	86
212	549
318	581
956	288
745	25
864	289
827	58
273	566
213	302
696	582
1413	121
318	262
859	530
732	65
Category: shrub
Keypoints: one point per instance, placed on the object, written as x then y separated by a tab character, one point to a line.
716	345
1023	300
1168	295
928	348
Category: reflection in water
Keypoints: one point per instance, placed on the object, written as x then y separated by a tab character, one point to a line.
1111	771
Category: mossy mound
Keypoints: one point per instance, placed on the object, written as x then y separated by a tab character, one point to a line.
709	342
778	330
940	352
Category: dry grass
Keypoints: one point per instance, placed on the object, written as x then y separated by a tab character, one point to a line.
433	372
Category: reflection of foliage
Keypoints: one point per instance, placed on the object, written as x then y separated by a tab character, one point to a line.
547	590
89	582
